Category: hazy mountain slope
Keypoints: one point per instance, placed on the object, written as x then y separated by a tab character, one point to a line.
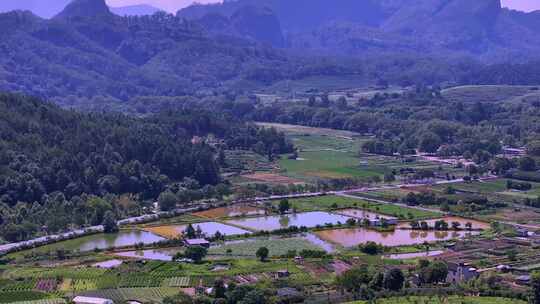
50	8
42	8
135	10
480	28
87	51
299	14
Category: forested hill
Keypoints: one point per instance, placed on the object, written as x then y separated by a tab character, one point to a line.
57	166
88	56
482	29
86	51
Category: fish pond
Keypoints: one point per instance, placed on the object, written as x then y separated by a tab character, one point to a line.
307	219
355	236
103	241
231	211
476	225
362	214
207	228
150	254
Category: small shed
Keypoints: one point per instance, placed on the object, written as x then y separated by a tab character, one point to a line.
283	274
523	280
91	300
197	242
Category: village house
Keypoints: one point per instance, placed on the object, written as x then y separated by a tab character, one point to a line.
460	272
197	242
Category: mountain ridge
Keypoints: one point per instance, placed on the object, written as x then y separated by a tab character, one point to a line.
482	28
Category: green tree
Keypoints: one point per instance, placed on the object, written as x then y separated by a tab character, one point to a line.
190	232
109	222
219	289
353	279
167	201
371	248
262	253
430	142
527	164
436	272
284	206
535	287
533	148
394	279
255	296
196	253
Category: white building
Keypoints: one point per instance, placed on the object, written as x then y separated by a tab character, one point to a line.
91	300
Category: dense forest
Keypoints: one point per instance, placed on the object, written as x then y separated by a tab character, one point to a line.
56	166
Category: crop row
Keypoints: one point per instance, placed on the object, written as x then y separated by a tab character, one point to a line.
140	294
177	282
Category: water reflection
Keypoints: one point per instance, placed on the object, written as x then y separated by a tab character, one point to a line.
399	237
307	219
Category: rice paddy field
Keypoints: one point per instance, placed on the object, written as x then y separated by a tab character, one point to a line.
99	241
209	229
351	237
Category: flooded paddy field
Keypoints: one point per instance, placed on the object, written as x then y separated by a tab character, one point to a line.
307	219
207	228
103	241
231	211
362	214
356	236
150	254
476	225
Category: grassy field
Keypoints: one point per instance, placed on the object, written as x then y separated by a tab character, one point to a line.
326	164
323	153
17	296
277	247
333	202
495	189
445	300
487	93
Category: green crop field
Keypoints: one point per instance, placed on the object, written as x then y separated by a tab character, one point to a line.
17	296
445	300
181	282
277	247
139	294
326	164
43	301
